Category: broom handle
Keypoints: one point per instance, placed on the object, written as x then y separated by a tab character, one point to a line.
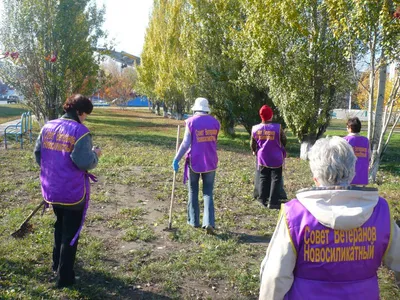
173	181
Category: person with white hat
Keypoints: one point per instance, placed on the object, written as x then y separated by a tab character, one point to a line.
200	144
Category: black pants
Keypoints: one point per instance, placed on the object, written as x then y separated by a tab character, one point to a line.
256	192
65	228
270	185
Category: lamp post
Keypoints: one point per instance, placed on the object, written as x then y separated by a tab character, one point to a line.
350	101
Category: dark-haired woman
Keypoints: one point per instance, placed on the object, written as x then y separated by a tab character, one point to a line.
65	153
361	149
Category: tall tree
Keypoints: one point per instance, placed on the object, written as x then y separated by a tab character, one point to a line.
189	52
291	47
55	42
215	68
372	29
161	71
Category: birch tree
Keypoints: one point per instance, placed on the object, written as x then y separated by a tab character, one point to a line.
372	29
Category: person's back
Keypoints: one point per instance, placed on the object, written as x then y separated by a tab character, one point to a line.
330	240
62	181
204	131
339	246
270	151
361	149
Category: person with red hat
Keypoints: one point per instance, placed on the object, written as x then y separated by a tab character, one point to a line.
268	142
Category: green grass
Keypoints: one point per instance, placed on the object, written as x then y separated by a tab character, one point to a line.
124	251
11	112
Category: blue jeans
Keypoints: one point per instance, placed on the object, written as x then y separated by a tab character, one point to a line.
193	204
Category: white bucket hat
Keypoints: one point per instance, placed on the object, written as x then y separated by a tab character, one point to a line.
201	104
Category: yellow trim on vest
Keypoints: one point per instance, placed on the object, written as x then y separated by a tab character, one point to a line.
390	235
190	166
82	137
75	203
69	119
273	167
287	227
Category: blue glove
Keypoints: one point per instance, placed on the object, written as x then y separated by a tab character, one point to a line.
175	165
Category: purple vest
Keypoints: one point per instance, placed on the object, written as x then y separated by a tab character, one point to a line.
337	264
62	181
270	151
360	146
202	154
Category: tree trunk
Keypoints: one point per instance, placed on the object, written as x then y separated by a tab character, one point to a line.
307	142
373	171
371	88
165	111
376	140
228	127
229	130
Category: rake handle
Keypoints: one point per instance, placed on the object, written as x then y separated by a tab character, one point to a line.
32	214
173	180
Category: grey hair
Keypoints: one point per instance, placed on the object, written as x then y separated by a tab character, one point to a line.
332	161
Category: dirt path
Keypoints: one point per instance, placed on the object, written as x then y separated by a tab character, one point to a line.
155	216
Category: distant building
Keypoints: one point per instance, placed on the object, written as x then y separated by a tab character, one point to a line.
124	58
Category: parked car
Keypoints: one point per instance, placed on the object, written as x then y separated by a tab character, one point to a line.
13	99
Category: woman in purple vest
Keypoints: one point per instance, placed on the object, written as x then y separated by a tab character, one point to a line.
65	152
330	240
267	142
361	149
200	143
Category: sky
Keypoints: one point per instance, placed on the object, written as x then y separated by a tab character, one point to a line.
126	22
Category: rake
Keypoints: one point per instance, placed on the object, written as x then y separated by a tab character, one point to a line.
173	183
25	227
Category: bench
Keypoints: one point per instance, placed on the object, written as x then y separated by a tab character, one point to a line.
24	126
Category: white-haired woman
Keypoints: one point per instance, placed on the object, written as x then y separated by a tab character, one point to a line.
331	240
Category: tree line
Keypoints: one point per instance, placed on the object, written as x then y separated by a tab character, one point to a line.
299	56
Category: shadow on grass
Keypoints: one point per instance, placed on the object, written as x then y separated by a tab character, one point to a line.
239	144
245	238
254	239
141	116
166	142
90	285
132	123
101	285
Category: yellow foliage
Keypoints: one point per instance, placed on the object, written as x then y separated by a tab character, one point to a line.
362	95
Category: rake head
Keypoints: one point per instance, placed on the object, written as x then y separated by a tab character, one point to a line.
22	231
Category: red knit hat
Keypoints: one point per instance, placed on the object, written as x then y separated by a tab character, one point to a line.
266	113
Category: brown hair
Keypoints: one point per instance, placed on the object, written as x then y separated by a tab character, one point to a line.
78	103
354	124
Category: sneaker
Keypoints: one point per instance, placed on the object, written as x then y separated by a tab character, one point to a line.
262	203
210	230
